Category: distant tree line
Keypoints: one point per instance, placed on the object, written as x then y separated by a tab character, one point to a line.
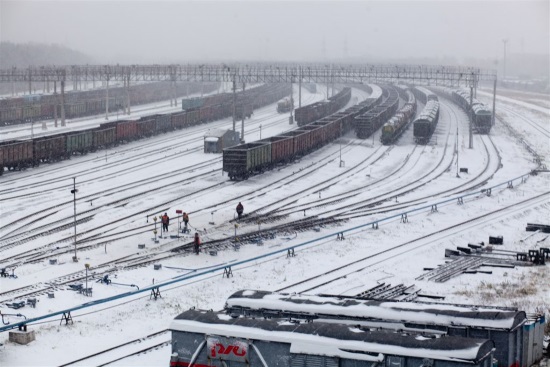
23	55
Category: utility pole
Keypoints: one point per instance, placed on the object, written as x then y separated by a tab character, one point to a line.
300	88
63	102
74	191
494	101
505	41
471	145
107	100
291	118
457	152
234	100
242	121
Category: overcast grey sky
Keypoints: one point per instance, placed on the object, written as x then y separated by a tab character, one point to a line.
173	31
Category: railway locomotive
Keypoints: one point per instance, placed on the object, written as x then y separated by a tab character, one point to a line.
242	161
87	103
517	338
393	129
285	105
307	114
480	115
207	338
17	155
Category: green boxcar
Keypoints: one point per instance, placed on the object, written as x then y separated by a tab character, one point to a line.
244	160
80	142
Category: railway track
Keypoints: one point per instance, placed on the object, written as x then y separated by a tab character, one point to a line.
367	263
160	339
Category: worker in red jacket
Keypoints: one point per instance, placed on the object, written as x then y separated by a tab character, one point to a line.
197	242
165	221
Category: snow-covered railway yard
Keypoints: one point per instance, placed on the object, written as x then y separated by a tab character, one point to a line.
120	190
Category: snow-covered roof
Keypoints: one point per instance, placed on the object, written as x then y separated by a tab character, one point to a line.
330	339
215	133
414	312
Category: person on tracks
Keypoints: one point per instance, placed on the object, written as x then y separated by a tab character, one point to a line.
196	243
185	218
165	222
240	209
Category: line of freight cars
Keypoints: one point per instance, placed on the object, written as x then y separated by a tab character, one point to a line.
367	123
86	103
17	155
315	111
480	115
399	122
424	125
517	338
242	161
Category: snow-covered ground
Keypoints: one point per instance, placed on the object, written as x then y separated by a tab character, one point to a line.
121	189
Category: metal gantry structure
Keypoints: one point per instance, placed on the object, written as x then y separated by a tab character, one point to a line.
243	73
251	73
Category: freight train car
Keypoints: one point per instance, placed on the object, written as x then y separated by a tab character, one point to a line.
304	139
307	114
242	160
91	102
19	155
49	148
367	123
16	155
424	125
206	338
504	326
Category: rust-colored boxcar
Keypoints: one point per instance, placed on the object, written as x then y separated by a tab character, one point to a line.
179	120
50	148
104	137
146	128
17	154
282	148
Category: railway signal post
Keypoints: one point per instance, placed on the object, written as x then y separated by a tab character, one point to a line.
74	191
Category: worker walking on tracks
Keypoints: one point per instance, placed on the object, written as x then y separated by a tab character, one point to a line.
197	242
240	210
185	218
165	221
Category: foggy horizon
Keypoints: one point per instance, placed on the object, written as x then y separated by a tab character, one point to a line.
178	31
